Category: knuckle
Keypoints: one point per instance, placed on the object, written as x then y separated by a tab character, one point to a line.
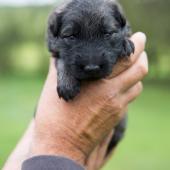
140	87
117	106
136	91
115	101
142	70
145	70
113	95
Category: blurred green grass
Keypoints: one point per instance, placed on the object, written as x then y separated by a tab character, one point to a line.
147	143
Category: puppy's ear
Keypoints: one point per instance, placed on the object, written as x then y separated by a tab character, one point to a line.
53	30
119	16
127	45
122	22
54	24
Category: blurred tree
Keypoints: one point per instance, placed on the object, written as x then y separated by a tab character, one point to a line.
152	17
22	35
20	26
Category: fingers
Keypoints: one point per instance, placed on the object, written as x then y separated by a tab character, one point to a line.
133	93
134	74
103	147
139	40
98	156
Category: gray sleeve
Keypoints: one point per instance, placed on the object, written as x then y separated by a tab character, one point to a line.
50	163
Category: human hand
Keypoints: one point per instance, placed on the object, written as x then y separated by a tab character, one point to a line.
74	129
98	157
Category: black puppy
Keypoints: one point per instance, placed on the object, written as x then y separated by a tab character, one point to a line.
87	37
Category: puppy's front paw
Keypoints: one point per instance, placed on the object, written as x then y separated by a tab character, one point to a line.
128	48
68	92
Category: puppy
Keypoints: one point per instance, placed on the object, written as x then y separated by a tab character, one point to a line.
87	38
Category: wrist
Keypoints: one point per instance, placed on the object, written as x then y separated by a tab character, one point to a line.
58	147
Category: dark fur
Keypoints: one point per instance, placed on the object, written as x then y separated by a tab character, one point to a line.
87	37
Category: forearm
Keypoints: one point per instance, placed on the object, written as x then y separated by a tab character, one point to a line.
21	152
84	122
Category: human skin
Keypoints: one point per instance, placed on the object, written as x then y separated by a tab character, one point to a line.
73	129
77	129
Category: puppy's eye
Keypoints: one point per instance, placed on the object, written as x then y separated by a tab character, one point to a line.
109	34
69	37
72	37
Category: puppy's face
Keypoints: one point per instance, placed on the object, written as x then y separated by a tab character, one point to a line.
87	38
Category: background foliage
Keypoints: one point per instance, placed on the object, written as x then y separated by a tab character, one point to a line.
24	63
22	36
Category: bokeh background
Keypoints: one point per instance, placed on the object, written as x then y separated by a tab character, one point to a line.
24	64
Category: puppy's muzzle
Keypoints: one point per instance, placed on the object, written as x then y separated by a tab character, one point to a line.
91	64
92	68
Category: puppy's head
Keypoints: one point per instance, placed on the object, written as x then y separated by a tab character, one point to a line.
87	35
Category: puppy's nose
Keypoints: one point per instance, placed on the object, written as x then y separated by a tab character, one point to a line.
91	68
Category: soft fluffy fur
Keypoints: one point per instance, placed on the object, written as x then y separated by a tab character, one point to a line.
87	37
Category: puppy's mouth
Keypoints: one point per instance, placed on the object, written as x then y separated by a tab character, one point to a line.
93	75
